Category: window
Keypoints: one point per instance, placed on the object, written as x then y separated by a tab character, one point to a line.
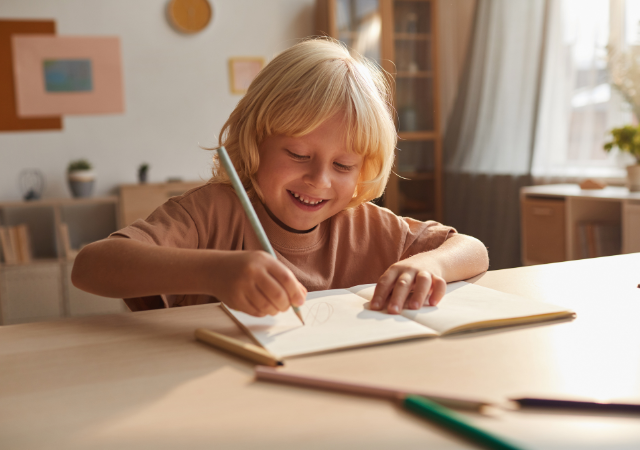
582	96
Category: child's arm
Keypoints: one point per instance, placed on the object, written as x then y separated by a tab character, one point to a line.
427	274
125	268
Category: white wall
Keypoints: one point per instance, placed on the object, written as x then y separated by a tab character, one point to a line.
176	88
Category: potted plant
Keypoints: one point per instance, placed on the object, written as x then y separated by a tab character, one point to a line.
81	178
142	172
627	139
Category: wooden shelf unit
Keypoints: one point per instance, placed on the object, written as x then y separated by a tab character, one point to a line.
41	288
552	216
407	50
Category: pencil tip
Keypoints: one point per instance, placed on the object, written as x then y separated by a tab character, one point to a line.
299	314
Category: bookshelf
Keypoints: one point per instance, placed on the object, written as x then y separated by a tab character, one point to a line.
563	222
38	286
401	36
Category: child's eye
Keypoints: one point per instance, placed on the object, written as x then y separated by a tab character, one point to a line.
343	167
296	156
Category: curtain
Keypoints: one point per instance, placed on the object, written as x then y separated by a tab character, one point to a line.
491	133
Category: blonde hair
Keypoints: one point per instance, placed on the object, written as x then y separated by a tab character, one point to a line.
300	89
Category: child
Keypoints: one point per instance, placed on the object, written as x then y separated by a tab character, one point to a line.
313	142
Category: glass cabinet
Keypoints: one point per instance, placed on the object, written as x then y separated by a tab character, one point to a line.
400	35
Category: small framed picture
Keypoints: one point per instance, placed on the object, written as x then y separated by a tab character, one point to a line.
242	71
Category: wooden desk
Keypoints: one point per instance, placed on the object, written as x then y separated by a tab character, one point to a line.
141	381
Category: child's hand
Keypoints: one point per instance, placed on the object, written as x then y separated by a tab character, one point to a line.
255	283
407	284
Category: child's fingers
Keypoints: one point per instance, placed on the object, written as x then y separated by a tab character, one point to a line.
261	301
274	293
247	306
401	291
437	291
383	290
421	288
294	292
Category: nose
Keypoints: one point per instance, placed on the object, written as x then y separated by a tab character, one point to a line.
318	175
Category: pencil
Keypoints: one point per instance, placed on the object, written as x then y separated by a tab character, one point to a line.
370	390
451	421
249	351
415	403
248	209
580	405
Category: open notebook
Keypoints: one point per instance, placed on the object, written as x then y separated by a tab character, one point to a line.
340	318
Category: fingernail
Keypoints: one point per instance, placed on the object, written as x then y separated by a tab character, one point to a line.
415	305
393	309
375	305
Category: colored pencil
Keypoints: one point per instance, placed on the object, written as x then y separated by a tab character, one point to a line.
580	405
248	209
243	349
451	421
418	404
370	390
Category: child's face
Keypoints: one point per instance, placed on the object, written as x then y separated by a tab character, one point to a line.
310	178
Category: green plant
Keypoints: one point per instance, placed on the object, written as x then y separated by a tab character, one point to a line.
627	139
79	164
143	167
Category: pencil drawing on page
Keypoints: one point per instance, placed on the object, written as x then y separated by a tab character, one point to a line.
318	313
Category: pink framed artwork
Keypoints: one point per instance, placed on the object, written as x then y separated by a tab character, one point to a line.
242	71
67	75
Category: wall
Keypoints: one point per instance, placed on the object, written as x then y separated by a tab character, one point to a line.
176	88
455	23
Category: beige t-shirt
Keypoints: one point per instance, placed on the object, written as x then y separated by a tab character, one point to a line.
353	247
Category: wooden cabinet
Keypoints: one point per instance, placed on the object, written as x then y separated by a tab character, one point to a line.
137	201
563	222
39	288
400	35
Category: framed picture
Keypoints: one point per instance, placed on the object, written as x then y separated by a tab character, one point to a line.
242	71
57	75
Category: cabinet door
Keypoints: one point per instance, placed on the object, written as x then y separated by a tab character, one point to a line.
30	293
543	231
631	227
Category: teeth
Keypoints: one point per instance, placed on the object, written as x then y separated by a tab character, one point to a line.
304	199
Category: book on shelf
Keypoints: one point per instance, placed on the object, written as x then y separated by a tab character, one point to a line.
23	243
65	241
8	255
340	318
599	238
16	244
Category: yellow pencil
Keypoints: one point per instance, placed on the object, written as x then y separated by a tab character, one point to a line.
249	351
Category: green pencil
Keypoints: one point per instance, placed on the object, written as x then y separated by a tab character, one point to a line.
248	209
448	419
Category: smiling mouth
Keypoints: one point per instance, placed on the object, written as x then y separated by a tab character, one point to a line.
306	200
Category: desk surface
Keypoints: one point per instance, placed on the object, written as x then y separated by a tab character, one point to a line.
140	380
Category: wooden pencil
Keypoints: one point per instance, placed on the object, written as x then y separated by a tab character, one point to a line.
269	374
243	349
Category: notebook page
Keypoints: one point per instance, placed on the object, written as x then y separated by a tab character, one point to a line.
335	319
466	306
